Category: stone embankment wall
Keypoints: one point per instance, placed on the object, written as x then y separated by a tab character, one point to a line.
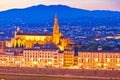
54	71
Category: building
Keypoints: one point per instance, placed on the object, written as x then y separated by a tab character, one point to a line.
44	56
49	55
9	59
76	61
60	60
27	40
2	45
68	58
99	60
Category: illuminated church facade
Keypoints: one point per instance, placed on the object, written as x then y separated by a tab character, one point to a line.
27	40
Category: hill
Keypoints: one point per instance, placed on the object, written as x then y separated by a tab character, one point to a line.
68	15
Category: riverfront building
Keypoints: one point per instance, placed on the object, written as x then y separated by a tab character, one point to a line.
99	59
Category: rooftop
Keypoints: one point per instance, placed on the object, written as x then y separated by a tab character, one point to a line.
99	51
35	34
48	46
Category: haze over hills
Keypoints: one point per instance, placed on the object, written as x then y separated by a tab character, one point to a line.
42	14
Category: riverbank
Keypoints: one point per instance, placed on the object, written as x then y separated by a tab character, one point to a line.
61	73
14	76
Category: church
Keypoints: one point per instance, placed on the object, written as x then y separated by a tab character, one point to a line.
28	40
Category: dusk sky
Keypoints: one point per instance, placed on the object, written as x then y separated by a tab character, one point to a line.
83	4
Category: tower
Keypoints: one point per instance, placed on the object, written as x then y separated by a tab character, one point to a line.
56	32
56	26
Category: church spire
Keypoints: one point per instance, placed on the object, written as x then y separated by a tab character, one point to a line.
56	26
56	16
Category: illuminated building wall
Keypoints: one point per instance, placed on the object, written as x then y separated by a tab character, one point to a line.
8	43
99	60
54	58
75	60
10	60
68	58
117	37
41	58
28	40
60	60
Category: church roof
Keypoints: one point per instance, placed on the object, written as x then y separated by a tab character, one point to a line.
35	34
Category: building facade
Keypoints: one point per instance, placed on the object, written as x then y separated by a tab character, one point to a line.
52	57
68	58
40	58
100	60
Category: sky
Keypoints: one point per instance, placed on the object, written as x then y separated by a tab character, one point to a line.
113	5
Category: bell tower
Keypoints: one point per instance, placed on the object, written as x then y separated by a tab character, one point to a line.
56	26
56	32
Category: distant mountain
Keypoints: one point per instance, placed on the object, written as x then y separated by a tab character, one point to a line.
45	14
